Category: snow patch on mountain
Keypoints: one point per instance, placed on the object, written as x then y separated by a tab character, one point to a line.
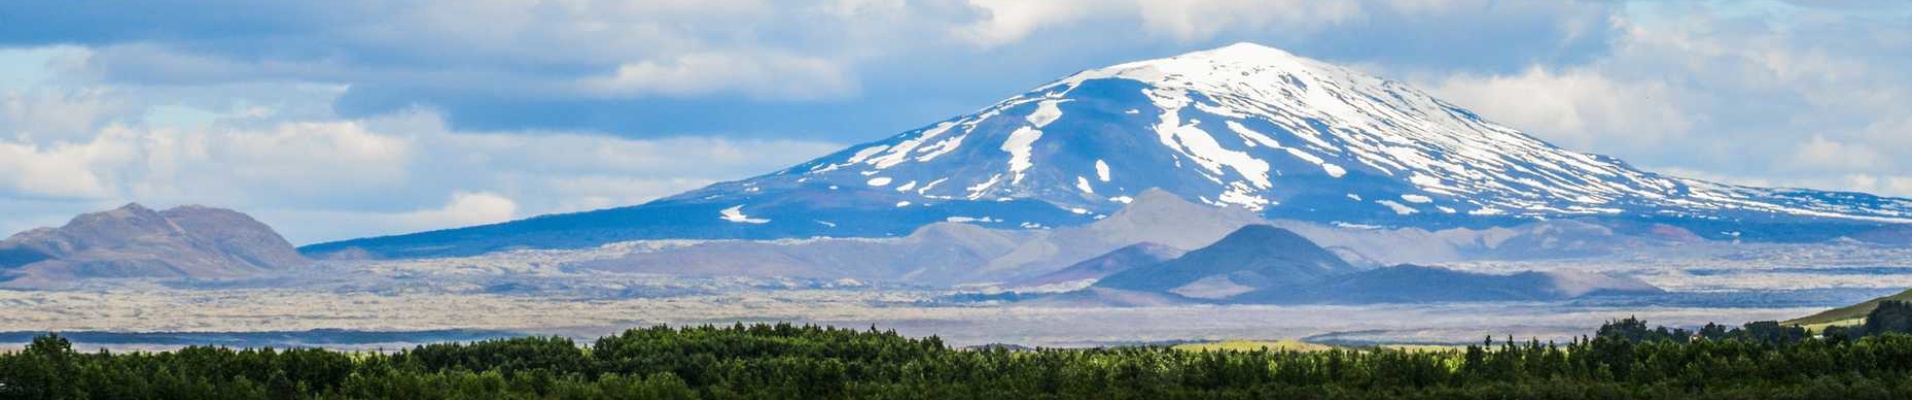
1398	207
1020	146
1047	111
736	214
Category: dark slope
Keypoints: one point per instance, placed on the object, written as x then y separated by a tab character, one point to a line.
1123	259
810	210
1256	256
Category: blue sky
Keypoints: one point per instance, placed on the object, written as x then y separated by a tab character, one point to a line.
344	118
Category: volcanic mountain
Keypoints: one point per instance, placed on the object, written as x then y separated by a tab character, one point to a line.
136	242
1243	126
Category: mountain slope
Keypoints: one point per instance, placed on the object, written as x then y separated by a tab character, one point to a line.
1252	258
1123	259
942	254
1849	315
134	241
1242	126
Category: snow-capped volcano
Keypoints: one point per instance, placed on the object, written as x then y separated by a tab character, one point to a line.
1256	127
1239	126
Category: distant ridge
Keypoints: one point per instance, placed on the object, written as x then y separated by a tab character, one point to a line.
1121	260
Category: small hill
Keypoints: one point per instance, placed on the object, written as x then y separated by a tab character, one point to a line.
1251	258
1849	315
134	241
1261	264
1123	259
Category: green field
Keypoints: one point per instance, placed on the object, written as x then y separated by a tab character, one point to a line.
1253	345
1297	345
1846	316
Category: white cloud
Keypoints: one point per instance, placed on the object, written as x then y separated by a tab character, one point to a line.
1812	98
59	171
1821	154
131	162
1189	21
327	154
465	209
1894	132
1577	108
1894	185
33	115
1008	21
762	75
1882	185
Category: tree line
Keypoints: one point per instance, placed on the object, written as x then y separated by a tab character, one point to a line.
1623	359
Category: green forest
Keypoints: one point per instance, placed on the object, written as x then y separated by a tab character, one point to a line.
1624	359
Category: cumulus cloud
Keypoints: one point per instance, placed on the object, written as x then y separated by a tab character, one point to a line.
66	171
49	116
290	160
1577	108
1003	22
1891	185
322	155
1820	153
465	209
758	75
1806	96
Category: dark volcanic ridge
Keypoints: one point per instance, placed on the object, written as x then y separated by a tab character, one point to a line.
1261	264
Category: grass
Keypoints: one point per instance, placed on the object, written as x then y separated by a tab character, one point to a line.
1821	327
1297	345
1848	315
1422	348
1252	345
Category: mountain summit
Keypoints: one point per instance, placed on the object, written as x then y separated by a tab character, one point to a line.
1244	126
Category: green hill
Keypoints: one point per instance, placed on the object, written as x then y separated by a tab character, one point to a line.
1849	315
